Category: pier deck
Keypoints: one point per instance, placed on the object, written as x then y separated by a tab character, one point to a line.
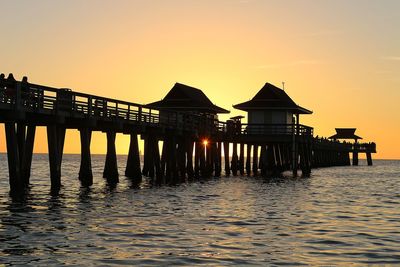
256	148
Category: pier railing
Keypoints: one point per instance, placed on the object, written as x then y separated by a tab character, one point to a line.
39	99
28	97
327	144
236	128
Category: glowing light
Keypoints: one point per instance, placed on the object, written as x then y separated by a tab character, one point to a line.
205	142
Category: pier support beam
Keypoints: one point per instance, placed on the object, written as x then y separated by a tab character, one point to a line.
197	159
263	160
248	159
209	159
55	139
157	163
369	159
226	157
111	168
189	158
355	158
20	140
202	158
270	160
181	159
133	163
218	159
146	168
169	149
28	153
241	159
255	160
234	165
85	170
15	179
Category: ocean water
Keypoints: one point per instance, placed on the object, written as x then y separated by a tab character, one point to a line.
338	216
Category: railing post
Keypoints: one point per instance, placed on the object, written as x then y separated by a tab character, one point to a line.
294	154
140	115
90	106
17	95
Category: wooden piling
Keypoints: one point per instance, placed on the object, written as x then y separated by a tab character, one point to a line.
209	159
263	160
248	160
369	159
234	165
56	137
218	160
111	168
189	158
197	159
181	159
173	158
271	161
255	160
157	163
133	162
202	158
355	158
214	152
146	157
226	157
241	159
85	171
15	179
28	153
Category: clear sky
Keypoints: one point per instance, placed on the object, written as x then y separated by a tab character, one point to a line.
340	59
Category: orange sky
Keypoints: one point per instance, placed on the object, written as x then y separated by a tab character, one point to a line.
340	59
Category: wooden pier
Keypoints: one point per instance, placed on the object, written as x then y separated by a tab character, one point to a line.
193	143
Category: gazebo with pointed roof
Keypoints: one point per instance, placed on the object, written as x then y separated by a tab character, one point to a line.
187	99
345	133
271	105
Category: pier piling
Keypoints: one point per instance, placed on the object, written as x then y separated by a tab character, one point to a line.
133	162
56	137
85	170
110	167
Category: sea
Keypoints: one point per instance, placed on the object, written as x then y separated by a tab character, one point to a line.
340	216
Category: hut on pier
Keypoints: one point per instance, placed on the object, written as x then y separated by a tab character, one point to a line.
345	133
273	124
271	106
186	100
349	134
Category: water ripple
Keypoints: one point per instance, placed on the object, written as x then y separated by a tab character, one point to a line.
339	216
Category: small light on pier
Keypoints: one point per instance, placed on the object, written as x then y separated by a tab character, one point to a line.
205	142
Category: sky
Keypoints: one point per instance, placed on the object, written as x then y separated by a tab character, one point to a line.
340	59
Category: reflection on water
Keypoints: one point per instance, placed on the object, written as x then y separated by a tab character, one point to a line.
339	216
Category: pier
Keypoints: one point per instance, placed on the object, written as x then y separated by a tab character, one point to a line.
185	122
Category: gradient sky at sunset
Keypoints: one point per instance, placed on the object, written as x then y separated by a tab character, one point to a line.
340	59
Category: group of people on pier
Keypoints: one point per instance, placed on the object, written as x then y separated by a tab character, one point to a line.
30	97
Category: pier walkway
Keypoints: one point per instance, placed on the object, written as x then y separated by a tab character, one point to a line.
192	144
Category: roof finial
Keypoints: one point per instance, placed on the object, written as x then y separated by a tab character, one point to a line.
283	86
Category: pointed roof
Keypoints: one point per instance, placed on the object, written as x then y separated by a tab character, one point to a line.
271	97
345	133
184	97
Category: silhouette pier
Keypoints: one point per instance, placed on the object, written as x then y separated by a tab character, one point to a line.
183	138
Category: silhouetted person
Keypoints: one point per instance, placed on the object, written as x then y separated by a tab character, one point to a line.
10	88
11	78
2	77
